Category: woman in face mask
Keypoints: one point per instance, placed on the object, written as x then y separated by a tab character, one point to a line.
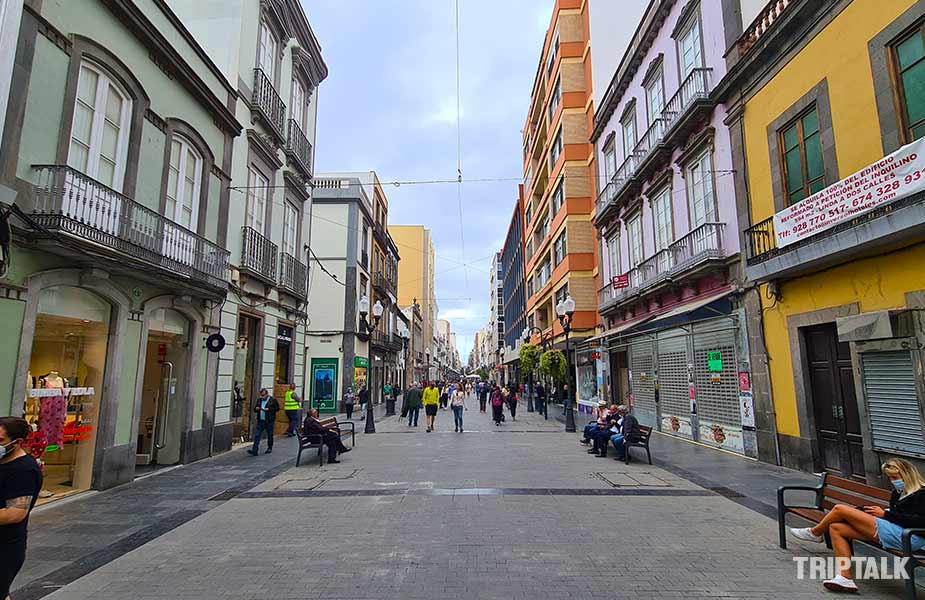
873	523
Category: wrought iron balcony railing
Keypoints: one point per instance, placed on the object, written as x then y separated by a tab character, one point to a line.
384	282
695	86
266	101
258	255
299	148
66	200
293	275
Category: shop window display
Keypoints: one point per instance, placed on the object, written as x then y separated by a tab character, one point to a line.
64	386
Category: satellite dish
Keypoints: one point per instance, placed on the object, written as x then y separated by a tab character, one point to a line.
215	342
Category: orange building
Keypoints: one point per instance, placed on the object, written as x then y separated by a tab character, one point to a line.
559	236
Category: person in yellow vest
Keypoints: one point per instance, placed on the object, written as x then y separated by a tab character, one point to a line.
293	406
431	403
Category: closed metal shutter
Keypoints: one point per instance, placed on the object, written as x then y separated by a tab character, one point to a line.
892	401
717	392
673	392
642	365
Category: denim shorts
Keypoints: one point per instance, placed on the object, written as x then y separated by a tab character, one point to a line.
891	536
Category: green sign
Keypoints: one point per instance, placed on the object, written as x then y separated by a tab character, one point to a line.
715	362
324	384
361	362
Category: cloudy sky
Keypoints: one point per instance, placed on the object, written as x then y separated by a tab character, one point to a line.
389	105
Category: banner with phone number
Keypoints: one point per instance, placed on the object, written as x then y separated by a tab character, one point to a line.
895	176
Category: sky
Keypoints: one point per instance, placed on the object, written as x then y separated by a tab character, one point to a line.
389	105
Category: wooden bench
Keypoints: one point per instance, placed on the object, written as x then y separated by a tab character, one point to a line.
833	490
645	432
315	440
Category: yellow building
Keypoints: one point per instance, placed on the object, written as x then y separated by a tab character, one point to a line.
822	93
416	277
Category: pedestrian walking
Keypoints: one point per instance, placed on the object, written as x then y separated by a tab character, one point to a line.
292	404
483	396
414	399
20	482
364	398
458	403
445	397
387	392
431	401
539	398
512	403
497	406
349	400
265	409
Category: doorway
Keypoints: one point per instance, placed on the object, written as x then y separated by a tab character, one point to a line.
619	378
245	377
163	392
834	405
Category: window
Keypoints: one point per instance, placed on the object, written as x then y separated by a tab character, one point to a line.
629	133
689	49
802	157
655	96
257	189
610	162
559	248
634	231
553	52
613	254
700	191
910	64
558	198
184	174
555	98
661	212
529	286
561	294
529	214
99	135
364	285
290	229
556	149
299	104
266	52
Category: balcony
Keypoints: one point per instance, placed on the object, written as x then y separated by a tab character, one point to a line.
389	342
384	283
258	255
761	24
116	227
267	104
680	260
682	113
887	225
293	276
299	149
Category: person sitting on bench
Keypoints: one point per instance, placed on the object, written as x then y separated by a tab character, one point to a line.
625	429
872	523
603	417
330	437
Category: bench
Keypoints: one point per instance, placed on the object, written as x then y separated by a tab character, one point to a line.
645	432
833	490
315	440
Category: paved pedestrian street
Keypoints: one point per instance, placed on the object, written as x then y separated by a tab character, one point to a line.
517	511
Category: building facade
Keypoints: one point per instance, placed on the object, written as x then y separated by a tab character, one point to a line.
346	258
496	304
513	287
675	345
118	266
416	278
275	72
837	292
559	185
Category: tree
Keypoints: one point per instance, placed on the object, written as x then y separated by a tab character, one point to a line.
529	356
553	365
483	373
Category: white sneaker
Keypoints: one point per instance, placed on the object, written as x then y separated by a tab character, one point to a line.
840	584
805	534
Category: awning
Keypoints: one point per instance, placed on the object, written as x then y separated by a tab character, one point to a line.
618	329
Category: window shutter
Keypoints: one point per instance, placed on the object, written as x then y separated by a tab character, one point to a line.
892	401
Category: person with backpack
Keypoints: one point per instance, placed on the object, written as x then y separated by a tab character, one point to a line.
512	402
497	406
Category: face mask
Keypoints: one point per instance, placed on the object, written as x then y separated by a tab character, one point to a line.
4	450
899	484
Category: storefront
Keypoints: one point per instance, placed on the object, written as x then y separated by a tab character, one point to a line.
323	392
245	380
589	378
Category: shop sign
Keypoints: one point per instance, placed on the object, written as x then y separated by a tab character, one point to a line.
324	384
892	178
715	362
619	282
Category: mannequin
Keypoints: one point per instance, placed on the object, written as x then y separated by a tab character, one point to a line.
53	410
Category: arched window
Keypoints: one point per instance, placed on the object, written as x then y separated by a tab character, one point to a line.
100	130
184	183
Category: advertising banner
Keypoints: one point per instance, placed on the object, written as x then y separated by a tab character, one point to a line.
324	384
892	178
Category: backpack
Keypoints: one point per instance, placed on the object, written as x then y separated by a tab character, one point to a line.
496	400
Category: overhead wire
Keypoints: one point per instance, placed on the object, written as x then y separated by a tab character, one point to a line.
459	173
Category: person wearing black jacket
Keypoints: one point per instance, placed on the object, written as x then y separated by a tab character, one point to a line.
329	437
265	409
873	523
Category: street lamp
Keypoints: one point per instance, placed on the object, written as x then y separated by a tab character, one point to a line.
565	310
366	330
405	335
427	364
528	333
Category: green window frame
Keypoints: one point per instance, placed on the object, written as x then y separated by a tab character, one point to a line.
909	73
801	157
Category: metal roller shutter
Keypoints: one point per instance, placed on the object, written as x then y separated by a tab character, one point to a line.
673	393
642	364
717	392
892	401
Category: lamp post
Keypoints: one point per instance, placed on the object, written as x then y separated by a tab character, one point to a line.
366	330
405	335
427	364
565	311
528	333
